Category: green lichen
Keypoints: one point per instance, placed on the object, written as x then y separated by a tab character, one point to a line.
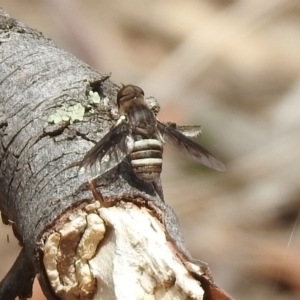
94	98
69	114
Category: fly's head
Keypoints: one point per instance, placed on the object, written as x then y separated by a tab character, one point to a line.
127	95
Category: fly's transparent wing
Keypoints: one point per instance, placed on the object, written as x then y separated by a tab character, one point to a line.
179	141
108	152
191	131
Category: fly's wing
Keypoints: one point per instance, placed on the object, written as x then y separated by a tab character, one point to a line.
108	152
191	131
179	141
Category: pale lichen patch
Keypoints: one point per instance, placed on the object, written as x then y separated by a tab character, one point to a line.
68	114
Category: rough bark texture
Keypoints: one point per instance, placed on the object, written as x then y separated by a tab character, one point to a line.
36	79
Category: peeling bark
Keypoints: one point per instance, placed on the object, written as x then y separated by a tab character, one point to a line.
38	191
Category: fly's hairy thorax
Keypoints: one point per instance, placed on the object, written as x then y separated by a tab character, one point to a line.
141	119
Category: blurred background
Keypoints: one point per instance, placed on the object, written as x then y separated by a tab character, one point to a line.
232	66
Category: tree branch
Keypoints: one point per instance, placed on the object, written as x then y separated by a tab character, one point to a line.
19	280
116	240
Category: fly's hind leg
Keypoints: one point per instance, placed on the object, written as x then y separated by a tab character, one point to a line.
97	195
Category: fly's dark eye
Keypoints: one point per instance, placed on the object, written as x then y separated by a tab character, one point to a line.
142	92
121	94
118	98
127	93
138	92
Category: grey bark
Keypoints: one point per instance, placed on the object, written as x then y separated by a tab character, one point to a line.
36	79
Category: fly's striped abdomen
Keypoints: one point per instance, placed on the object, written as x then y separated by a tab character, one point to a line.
146	159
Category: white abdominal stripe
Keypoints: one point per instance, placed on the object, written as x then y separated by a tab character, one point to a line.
147	144
146	162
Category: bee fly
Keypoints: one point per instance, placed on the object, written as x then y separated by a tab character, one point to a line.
139	136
